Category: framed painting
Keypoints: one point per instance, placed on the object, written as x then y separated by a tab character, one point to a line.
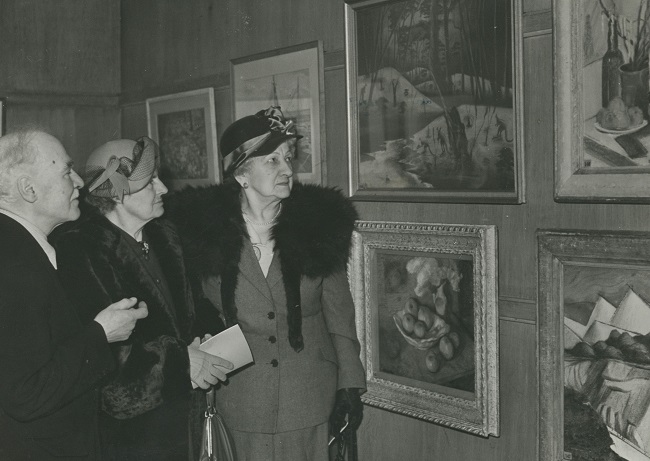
601	100
435	101
594	345
292	79
184	126
426	305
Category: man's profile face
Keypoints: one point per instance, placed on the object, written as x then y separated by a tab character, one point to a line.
57	184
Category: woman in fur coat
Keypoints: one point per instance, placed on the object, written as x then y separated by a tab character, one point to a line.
121	250
272	255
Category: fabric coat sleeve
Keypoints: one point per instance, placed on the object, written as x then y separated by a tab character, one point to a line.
149	372
40	375
338	309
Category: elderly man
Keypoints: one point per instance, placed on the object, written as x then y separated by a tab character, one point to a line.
50	363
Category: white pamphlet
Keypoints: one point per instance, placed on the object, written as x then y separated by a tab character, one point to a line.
231	345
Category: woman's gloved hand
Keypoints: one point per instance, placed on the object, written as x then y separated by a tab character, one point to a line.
348	404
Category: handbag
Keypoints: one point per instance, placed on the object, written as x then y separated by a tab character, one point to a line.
344	447
216	441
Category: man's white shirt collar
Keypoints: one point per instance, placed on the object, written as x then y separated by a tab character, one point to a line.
35	232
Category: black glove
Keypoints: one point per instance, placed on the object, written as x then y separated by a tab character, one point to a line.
348	403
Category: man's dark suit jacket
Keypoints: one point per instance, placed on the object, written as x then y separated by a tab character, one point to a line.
50	365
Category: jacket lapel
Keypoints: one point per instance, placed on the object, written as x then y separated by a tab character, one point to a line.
275	271
250	268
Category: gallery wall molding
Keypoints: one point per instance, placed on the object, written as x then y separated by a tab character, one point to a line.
537	23
518	309
60	99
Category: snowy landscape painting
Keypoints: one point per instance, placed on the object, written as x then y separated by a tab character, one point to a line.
433	107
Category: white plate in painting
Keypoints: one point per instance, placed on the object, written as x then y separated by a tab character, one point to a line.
634	129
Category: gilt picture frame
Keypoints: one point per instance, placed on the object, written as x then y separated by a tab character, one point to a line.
602	138
184	126
593	344
290	78
438	126
426	307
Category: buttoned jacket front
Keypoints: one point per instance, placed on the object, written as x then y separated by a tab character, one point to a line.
284	389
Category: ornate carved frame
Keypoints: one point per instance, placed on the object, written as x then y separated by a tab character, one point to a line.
478	415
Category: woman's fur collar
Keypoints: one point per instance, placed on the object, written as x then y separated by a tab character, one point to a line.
313	231
102	240
312	236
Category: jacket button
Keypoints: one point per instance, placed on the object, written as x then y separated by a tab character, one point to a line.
274	363
272	339
271	315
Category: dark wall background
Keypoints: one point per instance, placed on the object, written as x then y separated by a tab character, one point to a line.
60	69
65	63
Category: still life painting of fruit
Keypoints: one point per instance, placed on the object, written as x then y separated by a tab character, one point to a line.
615	42
426	319
607	356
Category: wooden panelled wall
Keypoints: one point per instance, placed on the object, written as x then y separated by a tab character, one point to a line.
60	69
174	46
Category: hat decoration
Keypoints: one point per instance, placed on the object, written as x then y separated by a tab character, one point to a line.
118	176
270	124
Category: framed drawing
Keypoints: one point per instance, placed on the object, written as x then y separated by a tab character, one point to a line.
601	100
594	345
292	79
426	304
435	105
3	112
184	126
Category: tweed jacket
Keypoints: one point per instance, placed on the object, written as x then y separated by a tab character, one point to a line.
298	321
98	267
51	363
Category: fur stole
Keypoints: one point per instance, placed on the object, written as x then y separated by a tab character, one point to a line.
312	238
121	271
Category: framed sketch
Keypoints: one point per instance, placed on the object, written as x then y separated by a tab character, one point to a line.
601	100
292	79
184	126
594	345
435	101
3	117
426	305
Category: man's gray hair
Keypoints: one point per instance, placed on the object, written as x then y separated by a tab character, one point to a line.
16	150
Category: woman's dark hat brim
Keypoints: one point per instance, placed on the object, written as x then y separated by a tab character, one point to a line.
254	136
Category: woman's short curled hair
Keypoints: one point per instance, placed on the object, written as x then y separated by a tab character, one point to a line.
101	205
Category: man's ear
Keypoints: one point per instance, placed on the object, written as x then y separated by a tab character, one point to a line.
26	189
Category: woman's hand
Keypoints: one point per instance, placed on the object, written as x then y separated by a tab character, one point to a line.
205	369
